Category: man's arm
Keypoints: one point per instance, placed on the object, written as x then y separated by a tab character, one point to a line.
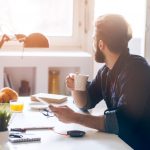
67	115
95	122
93	94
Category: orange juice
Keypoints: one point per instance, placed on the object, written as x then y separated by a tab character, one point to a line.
16	106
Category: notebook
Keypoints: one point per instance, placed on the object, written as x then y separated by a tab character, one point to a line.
49	98
25	138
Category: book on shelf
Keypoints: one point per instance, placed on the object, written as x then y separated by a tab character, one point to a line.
8	80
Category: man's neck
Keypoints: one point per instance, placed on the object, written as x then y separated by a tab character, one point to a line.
111	59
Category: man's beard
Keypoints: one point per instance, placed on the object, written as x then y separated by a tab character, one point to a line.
99	56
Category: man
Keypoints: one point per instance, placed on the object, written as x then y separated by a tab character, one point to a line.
123	83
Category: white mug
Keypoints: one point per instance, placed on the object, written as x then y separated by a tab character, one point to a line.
80	82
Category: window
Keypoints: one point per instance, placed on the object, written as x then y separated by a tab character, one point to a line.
134	12
28	16
57	19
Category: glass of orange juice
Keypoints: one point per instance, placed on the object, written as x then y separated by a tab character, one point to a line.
16	106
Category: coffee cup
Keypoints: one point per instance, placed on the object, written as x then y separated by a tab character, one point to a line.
80	82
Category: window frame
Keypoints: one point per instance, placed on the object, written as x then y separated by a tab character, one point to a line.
70	40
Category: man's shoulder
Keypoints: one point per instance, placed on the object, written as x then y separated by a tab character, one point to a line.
137	58
136	64
137	61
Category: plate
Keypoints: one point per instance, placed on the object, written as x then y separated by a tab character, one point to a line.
38	105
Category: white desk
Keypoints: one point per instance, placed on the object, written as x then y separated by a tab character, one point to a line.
51	140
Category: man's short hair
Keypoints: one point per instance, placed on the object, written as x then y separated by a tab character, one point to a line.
114	30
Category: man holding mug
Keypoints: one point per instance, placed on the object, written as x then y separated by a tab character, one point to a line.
123	83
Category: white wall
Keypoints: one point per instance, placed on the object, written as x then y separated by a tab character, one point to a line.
147	33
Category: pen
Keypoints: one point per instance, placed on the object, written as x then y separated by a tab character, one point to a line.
18	129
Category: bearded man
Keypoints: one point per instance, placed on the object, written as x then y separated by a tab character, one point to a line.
123	83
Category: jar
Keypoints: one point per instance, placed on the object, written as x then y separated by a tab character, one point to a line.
24	89
53	82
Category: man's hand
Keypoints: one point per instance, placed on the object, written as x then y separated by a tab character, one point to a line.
64	113
67	115
70	81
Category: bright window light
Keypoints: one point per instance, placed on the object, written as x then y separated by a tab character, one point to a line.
134	12
50	17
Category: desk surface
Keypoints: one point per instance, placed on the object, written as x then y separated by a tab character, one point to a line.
54	141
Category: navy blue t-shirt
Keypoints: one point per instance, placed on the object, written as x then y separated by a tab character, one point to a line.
126	91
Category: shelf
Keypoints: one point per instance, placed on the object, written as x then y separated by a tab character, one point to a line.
36	65
19	74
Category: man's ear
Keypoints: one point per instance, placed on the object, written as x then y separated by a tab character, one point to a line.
101	44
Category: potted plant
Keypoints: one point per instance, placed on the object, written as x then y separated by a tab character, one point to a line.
5	116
